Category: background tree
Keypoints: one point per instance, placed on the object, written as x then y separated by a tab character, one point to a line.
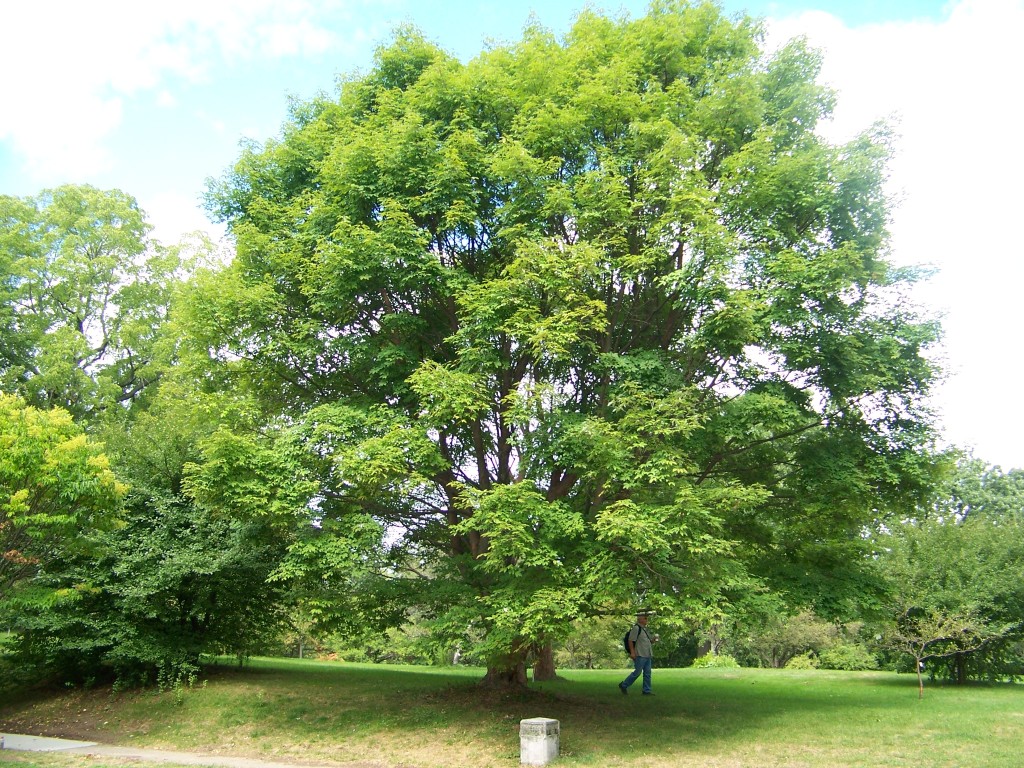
976	488
83	294
582	322
955	591
85	298
761	631
595	643
177	579
57	491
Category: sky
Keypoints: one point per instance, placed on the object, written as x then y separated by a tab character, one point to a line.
154	98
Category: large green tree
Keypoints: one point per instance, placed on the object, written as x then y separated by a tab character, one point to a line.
582	322
84	304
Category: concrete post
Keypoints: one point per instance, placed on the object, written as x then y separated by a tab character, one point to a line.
538	740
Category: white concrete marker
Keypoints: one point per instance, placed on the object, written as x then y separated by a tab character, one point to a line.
538	740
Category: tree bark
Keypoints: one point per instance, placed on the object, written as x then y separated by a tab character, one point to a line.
508	670
512	676
544	667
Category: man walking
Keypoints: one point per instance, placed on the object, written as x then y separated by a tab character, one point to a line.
641	650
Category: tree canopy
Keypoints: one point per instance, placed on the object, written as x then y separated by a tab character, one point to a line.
57	490
582	322
83	292
955	597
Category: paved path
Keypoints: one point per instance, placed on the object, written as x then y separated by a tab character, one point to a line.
14	741
40	743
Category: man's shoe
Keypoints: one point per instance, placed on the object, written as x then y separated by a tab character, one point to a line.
623	688
648	693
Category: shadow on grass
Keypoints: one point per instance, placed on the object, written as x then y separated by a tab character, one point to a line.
691	709
444	710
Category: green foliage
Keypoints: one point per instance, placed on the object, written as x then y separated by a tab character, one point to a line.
594	643
975	488
576	325
760	629
175	580
777	638
955	598
243	475
411	644
715	661
57	491
806	660
847	656
84	295
954	589
175	677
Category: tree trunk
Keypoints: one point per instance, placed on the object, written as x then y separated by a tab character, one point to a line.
714	642
544	668
960	664
508	670
513	676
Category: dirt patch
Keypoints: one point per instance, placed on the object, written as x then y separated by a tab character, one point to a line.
93	715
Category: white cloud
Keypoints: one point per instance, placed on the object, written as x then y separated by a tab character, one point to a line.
176	215
954	87
70	64
166	100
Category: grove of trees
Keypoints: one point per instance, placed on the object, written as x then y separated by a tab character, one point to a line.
506	348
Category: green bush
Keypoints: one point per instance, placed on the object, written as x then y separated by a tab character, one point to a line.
847	656
803	661
710	660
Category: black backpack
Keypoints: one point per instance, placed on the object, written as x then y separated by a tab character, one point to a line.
625	637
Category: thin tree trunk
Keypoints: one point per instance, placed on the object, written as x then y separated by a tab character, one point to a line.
961	668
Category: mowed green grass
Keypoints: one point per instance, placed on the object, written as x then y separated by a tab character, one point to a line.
333	713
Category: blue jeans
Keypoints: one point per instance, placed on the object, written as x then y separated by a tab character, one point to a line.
641	666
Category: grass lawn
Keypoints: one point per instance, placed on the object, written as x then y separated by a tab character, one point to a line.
415	717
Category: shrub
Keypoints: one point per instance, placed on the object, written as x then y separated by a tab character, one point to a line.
803	661
710	660
847	656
